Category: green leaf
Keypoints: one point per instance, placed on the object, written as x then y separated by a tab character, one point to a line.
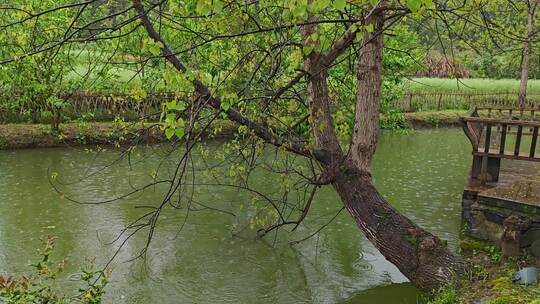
340	4
218	5
413	5
299	11
324	43
180	106
180	132
181	122
369	28
155	49
203	7
170	105
359	36
307	50
318	6
225	106
170	118
169	132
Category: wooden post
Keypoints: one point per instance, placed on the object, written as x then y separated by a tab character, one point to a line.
503	139
533	142
488	138
510	239
476	168
493	168
518	140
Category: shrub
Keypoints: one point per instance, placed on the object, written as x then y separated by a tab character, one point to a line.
445	296
393	120
41	286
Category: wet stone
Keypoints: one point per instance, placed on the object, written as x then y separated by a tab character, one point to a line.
535	249
530	236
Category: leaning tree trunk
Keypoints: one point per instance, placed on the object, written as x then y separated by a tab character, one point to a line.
422	257
419	255
525	59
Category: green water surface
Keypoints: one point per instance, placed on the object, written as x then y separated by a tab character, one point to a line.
199	260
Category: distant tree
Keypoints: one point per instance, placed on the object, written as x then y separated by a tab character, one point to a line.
496	37
531	6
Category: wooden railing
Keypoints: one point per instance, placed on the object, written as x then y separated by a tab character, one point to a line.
501	133
80	103
117	103
436	101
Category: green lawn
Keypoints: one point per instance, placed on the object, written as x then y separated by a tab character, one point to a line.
444	85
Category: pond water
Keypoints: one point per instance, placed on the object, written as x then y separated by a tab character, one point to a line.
199	260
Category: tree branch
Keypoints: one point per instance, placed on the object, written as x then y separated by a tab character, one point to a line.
203	92
348	37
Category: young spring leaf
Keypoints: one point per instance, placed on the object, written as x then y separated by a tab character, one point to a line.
413	5
340	5
225	106
169	132
179	132
369	28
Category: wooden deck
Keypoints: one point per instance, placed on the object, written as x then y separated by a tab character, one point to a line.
519	183
505	172
501	200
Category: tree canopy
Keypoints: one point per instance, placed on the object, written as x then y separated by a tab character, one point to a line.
305	78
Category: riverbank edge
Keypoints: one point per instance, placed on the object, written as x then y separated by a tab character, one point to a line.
23	136
435	119
488	277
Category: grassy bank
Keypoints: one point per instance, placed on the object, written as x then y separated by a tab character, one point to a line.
469	85
488	278
18	136
447	118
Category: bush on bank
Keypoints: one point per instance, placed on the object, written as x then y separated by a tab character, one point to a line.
41	285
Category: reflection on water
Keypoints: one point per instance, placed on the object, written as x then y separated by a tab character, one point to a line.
422	174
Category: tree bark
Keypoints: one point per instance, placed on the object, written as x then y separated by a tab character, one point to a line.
525	59
420	256
368	95
319	104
